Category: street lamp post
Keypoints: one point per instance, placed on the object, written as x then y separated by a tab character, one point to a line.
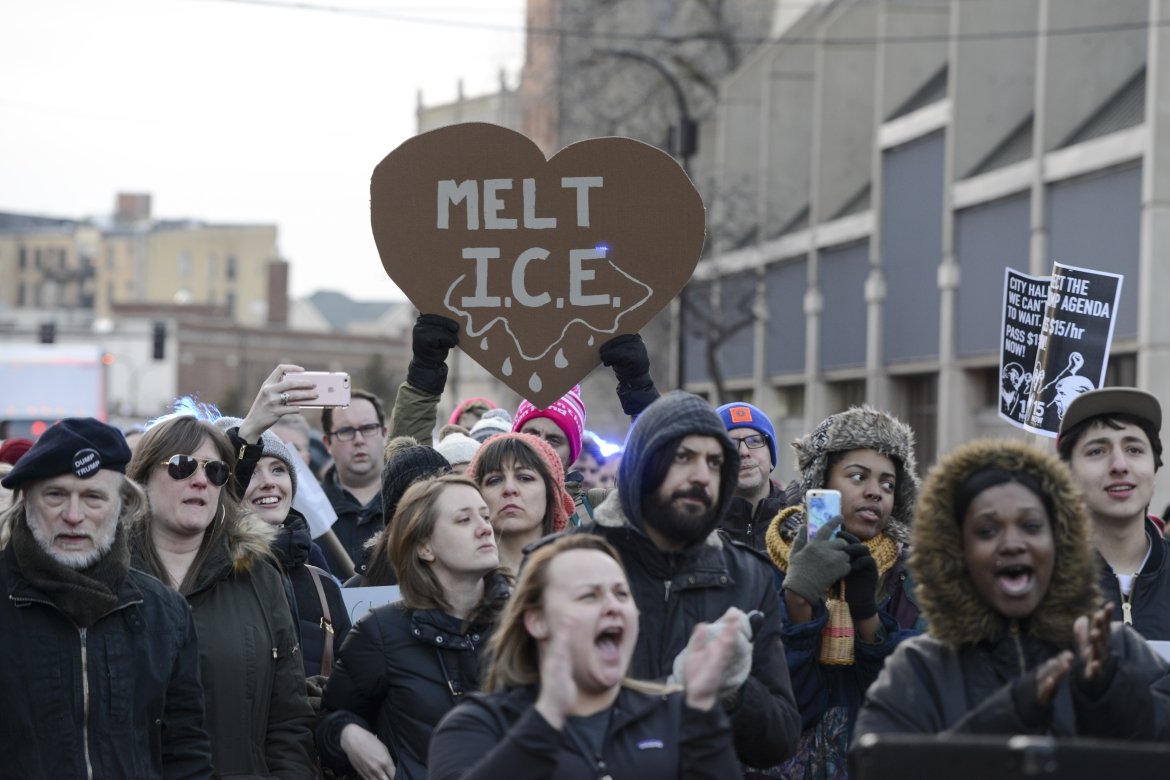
684	137
684	142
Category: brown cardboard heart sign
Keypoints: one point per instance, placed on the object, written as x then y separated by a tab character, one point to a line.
540	261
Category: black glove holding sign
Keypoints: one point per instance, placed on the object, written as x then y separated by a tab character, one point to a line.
861	581
626	355
433	337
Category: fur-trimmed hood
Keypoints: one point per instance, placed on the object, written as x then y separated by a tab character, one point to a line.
859	428
249	539
956	614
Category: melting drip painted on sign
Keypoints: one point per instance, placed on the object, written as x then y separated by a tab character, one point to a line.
560	361
506	369
590	341
534	383
483	343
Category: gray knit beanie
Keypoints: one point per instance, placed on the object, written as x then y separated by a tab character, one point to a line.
673	416
493	421
271	445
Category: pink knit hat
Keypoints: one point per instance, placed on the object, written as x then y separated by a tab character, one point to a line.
568	412
563	507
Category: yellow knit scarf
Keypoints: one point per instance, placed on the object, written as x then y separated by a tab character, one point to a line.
883	549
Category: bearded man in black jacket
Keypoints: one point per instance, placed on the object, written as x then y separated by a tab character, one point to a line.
677	479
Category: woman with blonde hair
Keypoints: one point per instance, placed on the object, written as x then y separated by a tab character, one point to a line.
197	539
560	703
404	665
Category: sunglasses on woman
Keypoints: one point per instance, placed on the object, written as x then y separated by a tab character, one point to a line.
182	467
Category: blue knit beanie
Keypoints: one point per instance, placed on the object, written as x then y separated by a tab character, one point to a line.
744	415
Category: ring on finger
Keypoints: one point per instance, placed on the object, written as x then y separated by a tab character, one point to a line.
284	398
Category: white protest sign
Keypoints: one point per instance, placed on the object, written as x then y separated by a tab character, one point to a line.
310	500
359	601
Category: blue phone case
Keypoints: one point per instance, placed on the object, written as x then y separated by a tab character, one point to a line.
821	508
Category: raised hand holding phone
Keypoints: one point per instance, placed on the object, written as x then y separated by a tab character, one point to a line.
330	388
821	506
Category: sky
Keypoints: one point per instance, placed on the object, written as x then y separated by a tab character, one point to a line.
237	111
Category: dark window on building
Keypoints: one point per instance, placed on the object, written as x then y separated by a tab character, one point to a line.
230	267
737	352
159	341
985	387
696	315
988	238
1095	222
919	395
843	395
785	328
1121	371
911	240
844	312
22	258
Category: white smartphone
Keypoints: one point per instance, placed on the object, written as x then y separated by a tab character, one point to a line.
820	507
332	388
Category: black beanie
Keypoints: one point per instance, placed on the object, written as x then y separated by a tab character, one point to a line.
405	467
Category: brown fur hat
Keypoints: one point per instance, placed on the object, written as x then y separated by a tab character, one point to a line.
858	428
956	614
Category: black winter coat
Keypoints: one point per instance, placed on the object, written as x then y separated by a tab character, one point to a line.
291	547
747	524
1149	598
125	690
399	672
257	712
355	523
501	735
930	687
675	591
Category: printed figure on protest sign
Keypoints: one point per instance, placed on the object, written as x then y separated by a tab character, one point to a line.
1015	384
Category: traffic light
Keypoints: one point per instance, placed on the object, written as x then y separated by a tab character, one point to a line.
159	340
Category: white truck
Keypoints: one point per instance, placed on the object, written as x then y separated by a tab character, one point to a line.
43	383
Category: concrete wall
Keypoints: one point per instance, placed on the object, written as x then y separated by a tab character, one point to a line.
1022	76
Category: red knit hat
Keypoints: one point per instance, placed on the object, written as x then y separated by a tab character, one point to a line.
563	503
12	449
568	412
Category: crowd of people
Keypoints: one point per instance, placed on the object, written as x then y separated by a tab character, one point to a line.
170	613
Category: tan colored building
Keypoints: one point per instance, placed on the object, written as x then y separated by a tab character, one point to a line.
47	262
187	262
91	266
